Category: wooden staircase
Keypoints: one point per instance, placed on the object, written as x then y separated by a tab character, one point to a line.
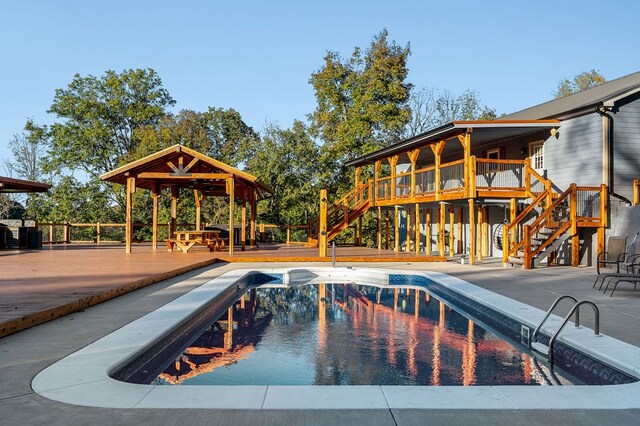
342	213
541	228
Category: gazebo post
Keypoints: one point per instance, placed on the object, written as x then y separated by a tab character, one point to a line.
131	188
198	198
154	226
252	226
243	225
175	193
230	191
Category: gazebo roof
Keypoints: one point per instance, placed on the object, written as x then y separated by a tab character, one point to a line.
19	185
182	167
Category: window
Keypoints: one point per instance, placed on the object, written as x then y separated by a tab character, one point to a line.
536	152
494	154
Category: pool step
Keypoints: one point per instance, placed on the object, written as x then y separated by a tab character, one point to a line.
541	348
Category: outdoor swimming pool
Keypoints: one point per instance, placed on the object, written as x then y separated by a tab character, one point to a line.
350	334
116	370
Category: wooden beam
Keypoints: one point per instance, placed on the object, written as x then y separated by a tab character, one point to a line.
460	247
187	176
480	233
437	151
198	199
428	246
252	225
322	227
413	157
465	140
154	225
441	222
379	228
387	230
131	188
417	225
393	162
451	231
397	230
175	193
243	225
472	231
232	204
407	238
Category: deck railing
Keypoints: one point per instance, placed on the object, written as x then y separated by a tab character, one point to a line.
636	192
481	177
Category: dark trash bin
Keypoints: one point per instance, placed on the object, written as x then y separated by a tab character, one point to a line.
35	239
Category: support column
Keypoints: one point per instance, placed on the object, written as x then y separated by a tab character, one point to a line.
407	239
397	230
243	225
379	228
437	150
360	231
387	230
131	188
485	231
413	157
154	225
472	231
393	161
252	224
513	214
465	141
575	234
428	246
441	221
322	227
231	187
451	232
175	193
417	225
480	233
460	247
198	199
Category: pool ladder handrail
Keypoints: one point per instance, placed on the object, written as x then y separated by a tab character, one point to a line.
575	309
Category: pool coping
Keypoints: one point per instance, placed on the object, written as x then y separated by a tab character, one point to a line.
83	378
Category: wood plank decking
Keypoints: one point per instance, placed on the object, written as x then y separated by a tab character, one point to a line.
41	285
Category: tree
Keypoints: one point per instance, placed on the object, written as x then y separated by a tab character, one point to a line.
286	161
28	148
362	103
99	117
583	81
231	140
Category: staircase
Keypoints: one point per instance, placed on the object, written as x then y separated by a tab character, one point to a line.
541	228
342	213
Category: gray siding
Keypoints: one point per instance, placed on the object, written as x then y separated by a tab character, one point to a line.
576	155
626	145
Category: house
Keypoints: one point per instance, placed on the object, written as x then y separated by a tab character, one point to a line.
545	183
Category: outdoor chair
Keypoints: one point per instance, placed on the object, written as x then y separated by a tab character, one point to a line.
615	254
631	264
631	279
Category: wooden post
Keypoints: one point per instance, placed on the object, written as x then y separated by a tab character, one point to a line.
604	206
243	224
154	220
472	231
131	188
175	192
51	233
465	140
428	246
480	233
322	227
417	225
451	233
397	230
601	240
487	234
575	236
252	225
437	150
460	248
288	233
379	228
407	238
513	214
393	161
67	233
231	186
413	157
526	239
441	221
387	230
198	199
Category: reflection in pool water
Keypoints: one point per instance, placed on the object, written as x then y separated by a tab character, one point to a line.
347	334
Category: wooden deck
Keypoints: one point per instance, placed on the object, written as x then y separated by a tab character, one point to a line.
41	285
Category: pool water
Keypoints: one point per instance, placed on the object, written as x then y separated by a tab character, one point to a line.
348	334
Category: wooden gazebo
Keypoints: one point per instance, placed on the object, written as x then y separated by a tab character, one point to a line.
13	186
179	167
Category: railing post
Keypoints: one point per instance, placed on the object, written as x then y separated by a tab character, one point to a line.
393	161
471	185
526	247
67	233
288	233
98	232
604	205
51	234
527	176
505	243
322	224
575	237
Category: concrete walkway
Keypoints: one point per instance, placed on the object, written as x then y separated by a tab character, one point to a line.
27	352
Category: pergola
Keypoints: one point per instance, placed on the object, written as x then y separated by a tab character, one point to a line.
179	167
13	186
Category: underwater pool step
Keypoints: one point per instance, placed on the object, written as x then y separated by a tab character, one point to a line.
541	348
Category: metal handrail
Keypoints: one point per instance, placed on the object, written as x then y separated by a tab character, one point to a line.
576	309
551	308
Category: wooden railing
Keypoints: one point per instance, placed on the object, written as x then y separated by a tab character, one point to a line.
478	177
636	192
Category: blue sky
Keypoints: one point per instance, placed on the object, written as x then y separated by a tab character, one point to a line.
257	56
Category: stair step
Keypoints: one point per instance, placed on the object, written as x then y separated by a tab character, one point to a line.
516	260
540	348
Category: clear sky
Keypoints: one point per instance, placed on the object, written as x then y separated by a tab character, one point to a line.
257	56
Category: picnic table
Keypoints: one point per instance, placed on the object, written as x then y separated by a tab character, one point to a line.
185	240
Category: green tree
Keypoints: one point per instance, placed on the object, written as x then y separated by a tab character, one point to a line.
98	118
231	140
583	81
362	103
286	160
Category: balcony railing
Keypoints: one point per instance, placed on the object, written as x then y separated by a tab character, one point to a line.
478	177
